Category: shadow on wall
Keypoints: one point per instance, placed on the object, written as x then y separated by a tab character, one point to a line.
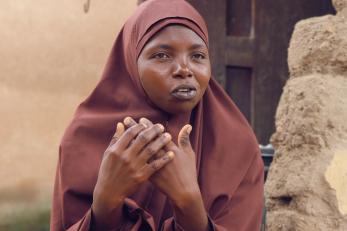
52	55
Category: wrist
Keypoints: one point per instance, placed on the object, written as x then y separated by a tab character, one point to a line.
106	199
190	213
186	199
106	204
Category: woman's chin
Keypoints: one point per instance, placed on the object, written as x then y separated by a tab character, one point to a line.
180	108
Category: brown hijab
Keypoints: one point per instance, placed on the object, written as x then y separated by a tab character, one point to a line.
230	170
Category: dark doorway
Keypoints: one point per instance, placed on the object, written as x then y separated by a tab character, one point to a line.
249	41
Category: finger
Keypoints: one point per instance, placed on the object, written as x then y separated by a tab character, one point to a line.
145	137
154	147
155	165
129	122
119	132
146	121
183	137
158	155
171	146
130	134
161	152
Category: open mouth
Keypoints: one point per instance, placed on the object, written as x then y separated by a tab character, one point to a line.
184	92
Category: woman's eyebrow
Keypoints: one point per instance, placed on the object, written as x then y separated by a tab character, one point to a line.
197	46
168	47
162	46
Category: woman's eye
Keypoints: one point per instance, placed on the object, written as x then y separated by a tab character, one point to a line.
160	56
198	56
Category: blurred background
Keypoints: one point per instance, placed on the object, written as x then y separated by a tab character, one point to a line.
52	54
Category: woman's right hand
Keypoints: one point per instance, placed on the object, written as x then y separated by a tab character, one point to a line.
124	167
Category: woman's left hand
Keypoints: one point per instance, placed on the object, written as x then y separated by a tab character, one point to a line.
178	180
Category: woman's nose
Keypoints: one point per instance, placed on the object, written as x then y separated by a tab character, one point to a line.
182	69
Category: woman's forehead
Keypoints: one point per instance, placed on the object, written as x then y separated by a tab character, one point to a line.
175	33
154	11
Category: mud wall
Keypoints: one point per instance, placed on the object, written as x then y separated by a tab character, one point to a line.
306	187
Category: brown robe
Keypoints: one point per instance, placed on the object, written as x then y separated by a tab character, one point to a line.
229	165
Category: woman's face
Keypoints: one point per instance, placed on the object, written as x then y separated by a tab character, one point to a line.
174	69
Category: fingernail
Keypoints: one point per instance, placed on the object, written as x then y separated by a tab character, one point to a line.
189	129
161	127
171	154
167	136
143	124
127	121
119	124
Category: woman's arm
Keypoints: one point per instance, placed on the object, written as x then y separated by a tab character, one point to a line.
191	215
241	211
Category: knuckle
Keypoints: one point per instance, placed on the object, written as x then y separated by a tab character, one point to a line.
129	133
143	137
150	150
125	159
138	178
134	130
185	141
160	154
116	153
132	169
111	150
139	127
155	165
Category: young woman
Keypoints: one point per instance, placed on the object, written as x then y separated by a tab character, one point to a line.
182	157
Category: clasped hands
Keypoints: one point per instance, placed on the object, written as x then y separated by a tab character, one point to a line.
143	151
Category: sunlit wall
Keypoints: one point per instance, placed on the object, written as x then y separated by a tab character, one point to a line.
52	54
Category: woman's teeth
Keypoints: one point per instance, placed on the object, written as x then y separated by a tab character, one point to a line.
184	94
184	90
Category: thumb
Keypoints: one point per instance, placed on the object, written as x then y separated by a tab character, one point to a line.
183	137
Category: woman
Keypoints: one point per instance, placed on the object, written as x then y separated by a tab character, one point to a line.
157	172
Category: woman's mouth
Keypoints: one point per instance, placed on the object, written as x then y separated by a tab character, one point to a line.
184	92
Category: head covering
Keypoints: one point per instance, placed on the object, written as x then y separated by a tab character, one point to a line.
223	141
